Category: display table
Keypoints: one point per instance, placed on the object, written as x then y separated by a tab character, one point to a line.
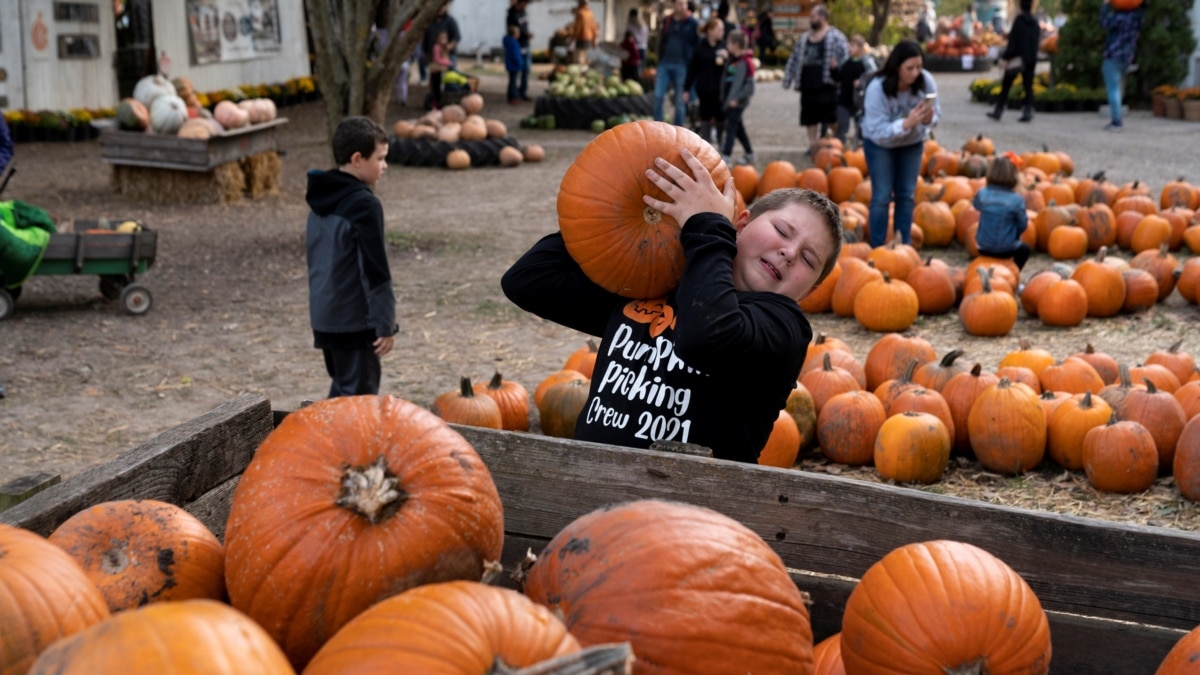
166	168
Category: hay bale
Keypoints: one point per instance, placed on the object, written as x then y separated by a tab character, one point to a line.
225	183
262	173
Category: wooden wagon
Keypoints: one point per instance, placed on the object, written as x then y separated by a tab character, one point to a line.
1118	596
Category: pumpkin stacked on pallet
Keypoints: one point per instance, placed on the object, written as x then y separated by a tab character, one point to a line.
463	131
167	107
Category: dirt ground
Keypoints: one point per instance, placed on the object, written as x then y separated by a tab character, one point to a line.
86	382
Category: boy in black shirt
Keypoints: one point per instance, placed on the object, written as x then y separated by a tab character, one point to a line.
712	362
848	75
351	303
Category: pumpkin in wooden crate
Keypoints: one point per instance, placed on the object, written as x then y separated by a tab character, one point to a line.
693	590
167	114
132	115
150	87
944	607
621	243
1183	657
827	656
139	551
230	115
451	627
47	596
196	636
347	502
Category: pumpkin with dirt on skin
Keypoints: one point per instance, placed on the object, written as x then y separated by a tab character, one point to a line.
1186	465
684	584
405	499
451	627
197	636
619	242
560	407
1013	408
45	593
1120	456
143	551
848	425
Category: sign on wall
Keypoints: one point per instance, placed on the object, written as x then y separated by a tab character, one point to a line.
232	30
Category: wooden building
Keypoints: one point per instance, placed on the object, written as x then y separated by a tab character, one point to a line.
59	54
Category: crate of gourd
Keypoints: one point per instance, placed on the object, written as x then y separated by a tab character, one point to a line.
458	137
412	523
166	146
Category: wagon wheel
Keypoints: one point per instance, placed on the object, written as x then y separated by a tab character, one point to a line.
136	299
111	285
7	303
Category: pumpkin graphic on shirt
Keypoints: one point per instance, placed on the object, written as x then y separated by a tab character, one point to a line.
655	312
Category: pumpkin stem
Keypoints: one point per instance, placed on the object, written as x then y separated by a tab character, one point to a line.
371	491
651	216
497	381
615	657
465	387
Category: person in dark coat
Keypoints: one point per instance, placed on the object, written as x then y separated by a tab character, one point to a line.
704	75
517	17
766	34
1020	58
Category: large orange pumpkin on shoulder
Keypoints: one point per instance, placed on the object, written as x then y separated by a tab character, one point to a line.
693	590
349	501
619	242
898	619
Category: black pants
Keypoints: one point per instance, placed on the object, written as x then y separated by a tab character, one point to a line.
1027	74
735	129
1018	255
354	371
435	89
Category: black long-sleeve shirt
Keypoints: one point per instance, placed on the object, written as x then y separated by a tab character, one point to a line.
1023	40
707	364
703	70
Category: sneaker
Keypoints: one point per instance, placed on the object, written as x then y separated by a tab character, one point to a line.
1114	127
747	158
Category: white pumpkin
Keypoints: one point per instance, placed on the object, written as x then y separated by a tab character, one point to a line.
167	114
230	115
151	87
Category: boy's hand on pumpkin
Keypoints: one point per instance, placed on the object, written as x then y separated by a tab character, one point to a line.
689	195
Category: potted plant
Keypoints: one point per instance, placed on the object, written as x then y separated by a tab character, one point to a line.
1190	103
1158	99
17	125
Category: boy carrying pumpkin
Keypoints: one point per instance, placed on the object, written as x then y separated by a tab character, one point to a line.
713	361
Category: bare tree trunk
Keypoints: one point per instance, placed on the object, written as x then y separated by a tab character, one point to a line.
880	9
350	82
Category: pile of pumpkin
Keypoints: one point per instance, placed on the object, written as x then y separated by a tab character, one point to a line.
171	108
885	288
357	540
464	122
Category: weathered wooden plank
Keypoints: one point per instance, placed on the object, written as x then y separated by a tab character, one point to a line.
1083	645
212	507
833	525
18	490
177	466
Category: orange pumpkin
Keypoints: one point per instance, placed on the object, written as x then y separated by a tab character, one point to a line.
199	636
891	355
583	359
694	572
1104	285
777	174
848	425
1183	657
1181	364
783	444
886	305
463	406
1186	464
1069	423
899	612
45	593
619	242
400	497
960	394
456	626
988	312
1120	456
1007	428
143	551
560	407
511	398
827	656
912	447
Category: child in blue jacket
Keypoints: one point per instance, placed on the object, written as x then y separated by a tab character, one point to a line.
514	62
1002	216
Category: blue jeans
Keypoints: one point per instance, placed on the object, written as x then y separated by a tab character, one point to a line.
670	75
894	173
513	77
1114	74
523	85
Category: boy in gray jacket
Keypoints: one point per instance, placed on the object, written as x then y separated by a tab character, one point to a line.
737	88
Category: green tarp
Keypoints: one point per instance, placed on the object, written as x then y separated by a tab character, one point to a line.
24	234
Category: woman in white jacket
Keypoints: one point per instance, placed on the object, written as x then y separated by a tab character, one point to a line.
900	108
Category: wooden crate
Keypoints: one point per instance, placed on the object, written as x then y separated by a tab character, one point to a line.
1118	596
132	148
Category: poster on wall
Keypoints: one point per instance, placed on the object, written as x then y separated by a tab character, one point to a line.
232	30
